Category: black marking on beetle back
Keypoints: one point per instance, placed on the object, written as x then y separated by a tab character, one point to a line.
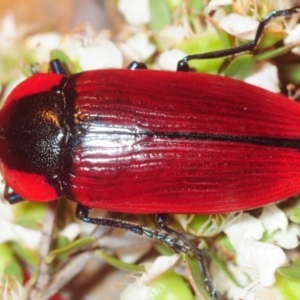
35	134
72	139
255	140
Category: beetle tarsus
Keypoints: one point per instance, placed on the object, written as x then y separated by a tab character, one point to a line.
134	65
161	220
182	66
11	196
57	67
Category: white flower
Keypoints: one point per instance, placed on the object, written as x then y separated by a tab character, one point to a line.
213	225
260	259
92	51
71	231
254	291
12	232
266	77
293	37
41	44
138	48
12	289
172	36
246	28
168	60
213	4
11	48
135	291
8	32
135	11
224	284
243	227
289	238
273	218
103	56
139	290
159	266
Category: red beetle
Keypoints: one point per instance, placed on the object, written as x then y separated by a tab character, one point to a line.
150	142
141	141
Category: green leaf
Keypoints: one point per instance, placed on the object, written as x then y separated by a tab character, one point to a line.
196	278
30	215
163	249
70	247
196	6
291	74
294	214
111	260
72	66
273	53
271	37
9	266
221	263
207	42
60	55
198	222
225	39
62	242
27	71
291	272
160	15
29	256
288	281
241	67
8	68
174	3
207	225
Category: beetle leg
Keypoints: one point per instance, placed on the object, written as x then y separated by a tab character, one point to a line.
174	240
11	196
134	65
171	240
82	213
162	223
183	64
57	67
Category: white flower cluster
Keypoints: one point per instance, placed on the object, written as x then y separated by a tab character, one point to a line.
258	259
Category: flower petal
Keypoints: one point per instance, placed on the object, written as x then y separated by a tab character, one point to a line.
264	258
266	77
160	265
244	226
168	60
246	29
273	218
289	238
135	11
